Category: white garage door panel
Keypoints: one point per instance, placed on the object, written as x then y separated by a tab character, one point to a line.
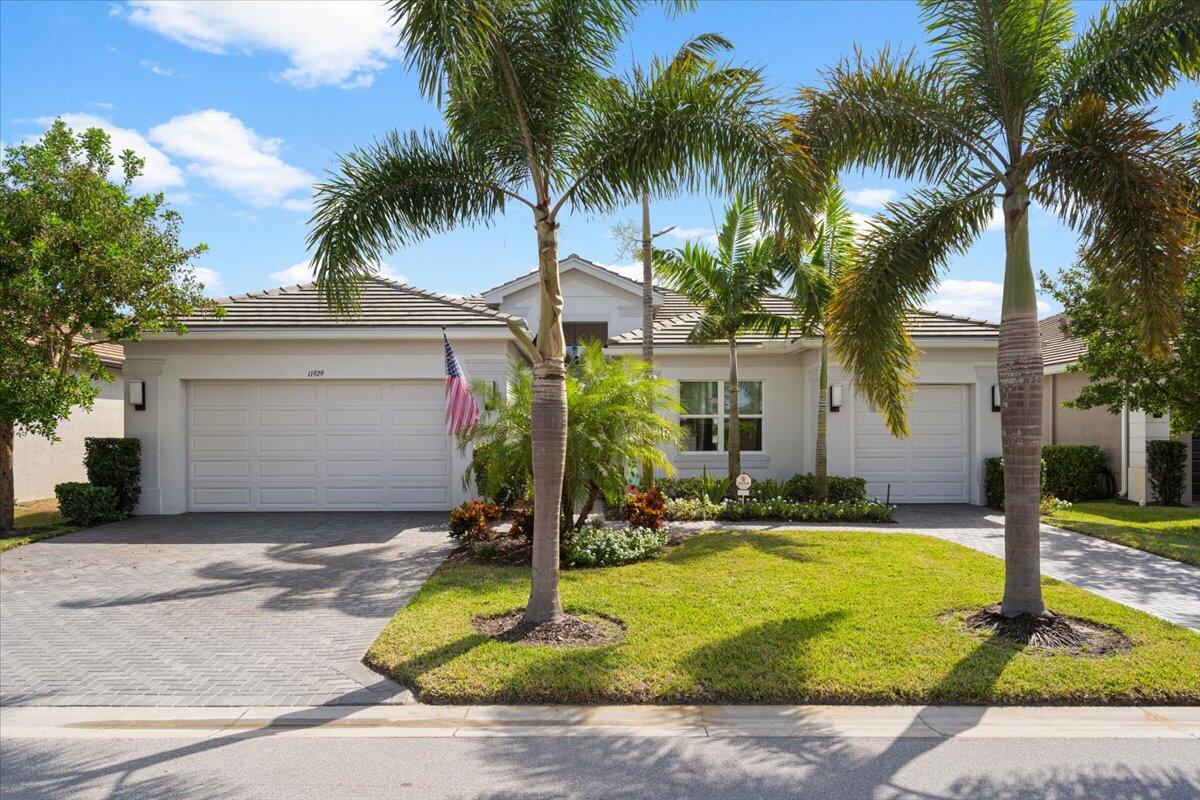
931	466
276	445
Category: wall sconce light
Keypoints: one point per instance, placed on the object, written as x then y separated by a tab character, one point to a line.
995	397
137	395
835	398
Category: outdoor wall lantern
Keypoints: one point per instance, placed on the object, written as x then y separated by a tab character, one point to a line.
835	398
137	395
995	397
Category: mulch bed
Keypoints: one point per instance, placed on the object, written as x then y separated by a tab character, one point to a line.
1054	633
571	631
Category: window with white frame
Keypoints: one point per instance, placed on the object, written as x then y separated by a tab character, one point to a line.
706	428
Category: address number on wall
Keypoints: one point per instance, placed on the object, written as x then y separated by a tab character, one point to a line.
316	373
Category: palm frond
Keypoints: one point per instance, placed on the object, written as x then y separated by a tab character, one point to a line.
1005	53
400	190
898	265
1132	52
1109	172
894	113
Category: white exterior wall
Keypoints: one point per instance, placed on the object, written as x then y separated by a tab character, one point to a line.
1144	427
40	464
585	299
790	384
167	365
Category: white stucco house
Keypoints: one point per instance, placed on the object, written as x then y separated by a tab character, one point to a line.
40	464
282	406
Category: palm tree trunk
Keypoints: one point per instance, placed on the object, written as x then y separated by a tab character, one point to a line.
7	485
1019	365
732	432
647	311
821	481
549	431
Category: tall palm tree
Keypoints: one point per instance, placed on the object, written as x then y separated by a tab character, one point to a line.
535	118
1011	106
728	285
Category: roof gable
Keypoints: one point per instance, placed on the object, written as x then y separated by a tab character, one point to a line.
497	294
382	303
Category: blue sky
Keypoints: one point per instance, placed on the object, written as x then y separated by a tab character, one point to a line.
239	106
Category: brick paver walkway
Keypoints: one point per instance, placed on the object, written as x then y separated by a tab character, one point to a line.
210	609
1159	586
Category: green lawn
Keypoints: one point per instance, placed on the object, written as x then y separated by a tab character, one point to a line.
795	616
34	521
1170	531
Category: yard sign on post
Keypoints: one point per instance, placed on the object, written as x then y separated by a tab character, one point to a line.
743	482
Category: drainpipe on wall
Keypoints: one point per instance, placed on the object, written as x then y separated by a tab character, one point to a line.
1124	451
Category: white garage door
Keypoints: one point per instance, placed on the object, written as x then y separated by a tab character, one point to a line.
930	466
281	445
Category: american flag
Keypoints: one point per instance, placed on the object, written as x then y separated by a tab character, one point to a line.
462	410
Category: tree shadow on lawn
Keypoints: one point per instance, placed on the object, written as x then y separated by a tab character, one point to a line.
709	543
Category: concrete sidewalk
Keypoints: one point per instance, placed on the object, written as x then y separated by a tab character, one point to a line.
890	722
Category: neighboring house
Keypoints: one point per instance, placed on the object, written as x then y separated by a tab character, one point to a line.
1122	436
282	405
40	464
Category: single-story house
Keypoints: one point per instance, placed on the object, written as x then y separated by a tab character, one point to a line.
1122	436
281	405
40	464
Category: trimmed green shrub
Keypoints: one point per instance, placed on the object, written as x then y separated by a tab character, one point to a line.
598	546
993	482
1165	467
799	488
1072	471
767	489
85	504
117	463
858	511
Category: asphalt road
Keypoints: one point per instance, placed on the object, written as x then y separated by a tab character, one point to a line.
258	765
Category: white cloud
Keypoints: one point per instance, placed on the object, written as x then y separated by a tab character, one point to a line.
302	272
158	173
327	43
871	198
978	299
633	270
699	234
155	69
996	223
102	106
222	149
211	280
298	204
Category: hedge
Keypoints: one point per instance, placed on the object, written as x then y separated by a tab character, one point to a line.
116	463
1166	461
1072	471
797	489
993	482
86	505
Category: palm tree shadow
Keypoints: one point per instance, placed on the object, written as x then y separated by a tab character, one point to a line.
707	544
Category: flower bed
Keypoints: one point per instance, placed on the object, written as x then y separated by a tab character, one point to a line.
778	509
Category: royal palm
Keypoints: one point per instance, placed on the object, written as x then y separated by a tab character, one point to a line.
1011	108
535	119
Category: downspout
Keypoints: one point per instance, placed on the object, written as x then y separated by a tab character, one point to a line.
1124	492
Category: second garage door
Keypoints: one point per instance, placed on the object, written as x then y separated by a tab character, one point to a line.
931	465
314	445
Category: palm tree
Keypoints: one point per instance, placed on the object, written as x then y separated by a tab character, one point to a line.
812	278
1011	106
728	285
618	414
534	118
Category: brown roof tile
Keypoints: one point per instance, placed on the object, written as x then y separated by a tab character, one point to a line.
1057	346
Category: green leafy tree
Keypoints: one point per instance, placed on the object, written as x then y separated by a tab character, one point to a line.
618	414
728	284
1012	106
535	118
1120	373
83	261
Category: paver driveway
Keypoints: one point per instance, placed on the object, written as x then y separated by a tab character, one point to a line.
211	609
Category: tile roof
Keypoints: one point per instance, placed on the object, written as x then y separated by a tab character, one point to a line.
383	302
676	318
109	353
1057	346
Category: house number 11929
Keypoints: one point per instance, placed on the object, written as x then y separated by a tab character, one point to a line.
316	373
